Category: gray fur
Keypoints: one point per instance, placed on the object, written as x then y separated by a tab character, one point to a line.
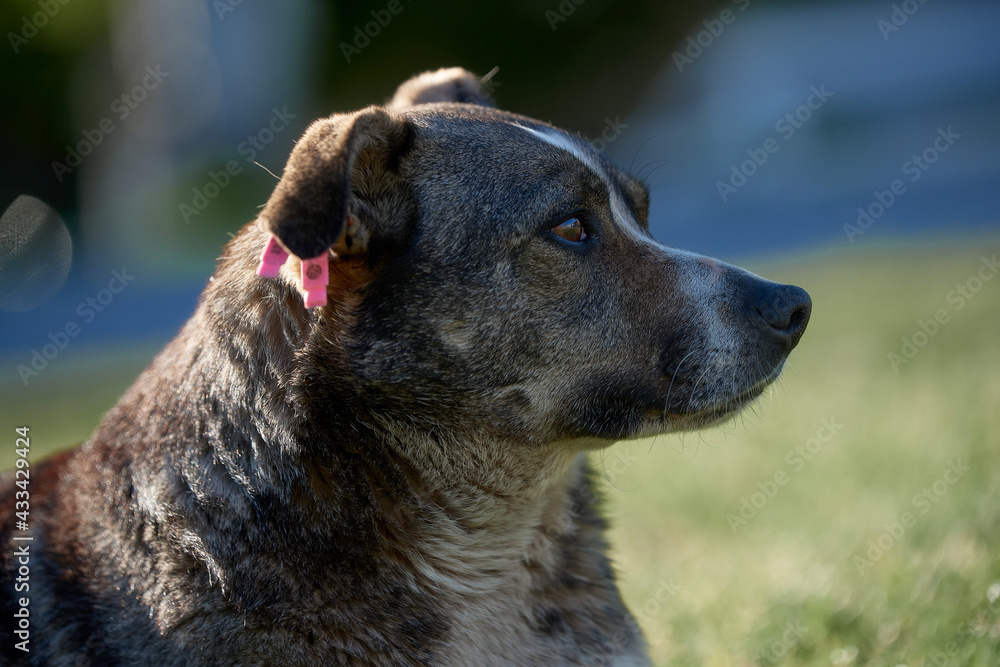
396	478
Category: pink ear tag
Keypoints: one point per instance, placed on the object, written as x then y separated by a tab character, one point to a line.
315	277
271	259
315	272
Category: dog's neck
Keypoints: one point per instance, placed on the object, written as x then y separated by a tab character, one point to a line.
485	506
463	510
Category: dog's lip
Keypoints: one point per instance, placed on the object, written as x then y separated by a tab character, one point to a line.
748	395
729	405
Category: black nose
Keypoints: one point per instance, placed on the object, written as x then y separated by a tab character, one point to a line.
781	311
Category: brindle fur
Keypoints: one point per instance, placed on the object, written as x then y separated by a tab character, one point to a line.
396	478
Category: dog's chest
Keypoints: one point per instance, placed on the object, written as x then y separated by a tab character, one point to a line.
555	604
508	632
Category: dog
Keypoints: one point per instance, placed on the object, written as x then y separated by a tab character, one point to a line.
390	468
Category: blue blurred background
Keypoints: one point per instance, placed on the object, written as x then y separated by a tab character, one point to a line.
150	128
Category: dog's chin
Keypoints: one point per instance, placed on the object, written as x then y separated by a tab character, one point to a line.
721	411
706	415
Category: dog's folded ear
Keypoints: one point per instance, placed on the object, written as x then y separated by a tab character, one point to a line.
340	185
451	84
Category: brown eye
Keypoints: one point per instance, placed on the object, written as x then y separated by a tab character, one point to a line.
571	230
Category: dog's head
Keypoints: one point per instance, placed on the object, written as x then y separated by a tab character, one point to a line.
490	273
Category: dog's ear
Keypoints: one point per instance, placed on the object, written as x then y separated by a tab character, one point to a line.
451	84
340	187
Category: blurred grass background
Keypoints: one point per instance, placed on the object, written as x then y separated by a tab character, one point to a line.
784	588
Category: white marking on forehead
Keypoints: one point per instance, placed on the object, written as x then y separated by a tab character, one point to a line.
618	208
563	141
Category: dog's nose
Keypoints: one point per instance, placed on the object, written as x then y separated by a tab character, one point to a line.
781	311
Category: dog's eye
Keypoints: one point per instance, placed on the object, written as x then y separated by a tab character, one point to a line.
571	230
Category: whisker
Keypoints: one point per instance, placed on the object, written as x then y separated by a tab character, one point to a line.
639	149
655	164
666	404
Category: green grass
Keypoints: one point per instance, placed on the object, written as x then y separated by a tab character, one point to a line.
784	588
927	599
66	401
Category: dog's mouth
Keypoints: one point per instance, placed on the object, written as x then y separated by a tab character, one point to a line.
715	409
737	402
